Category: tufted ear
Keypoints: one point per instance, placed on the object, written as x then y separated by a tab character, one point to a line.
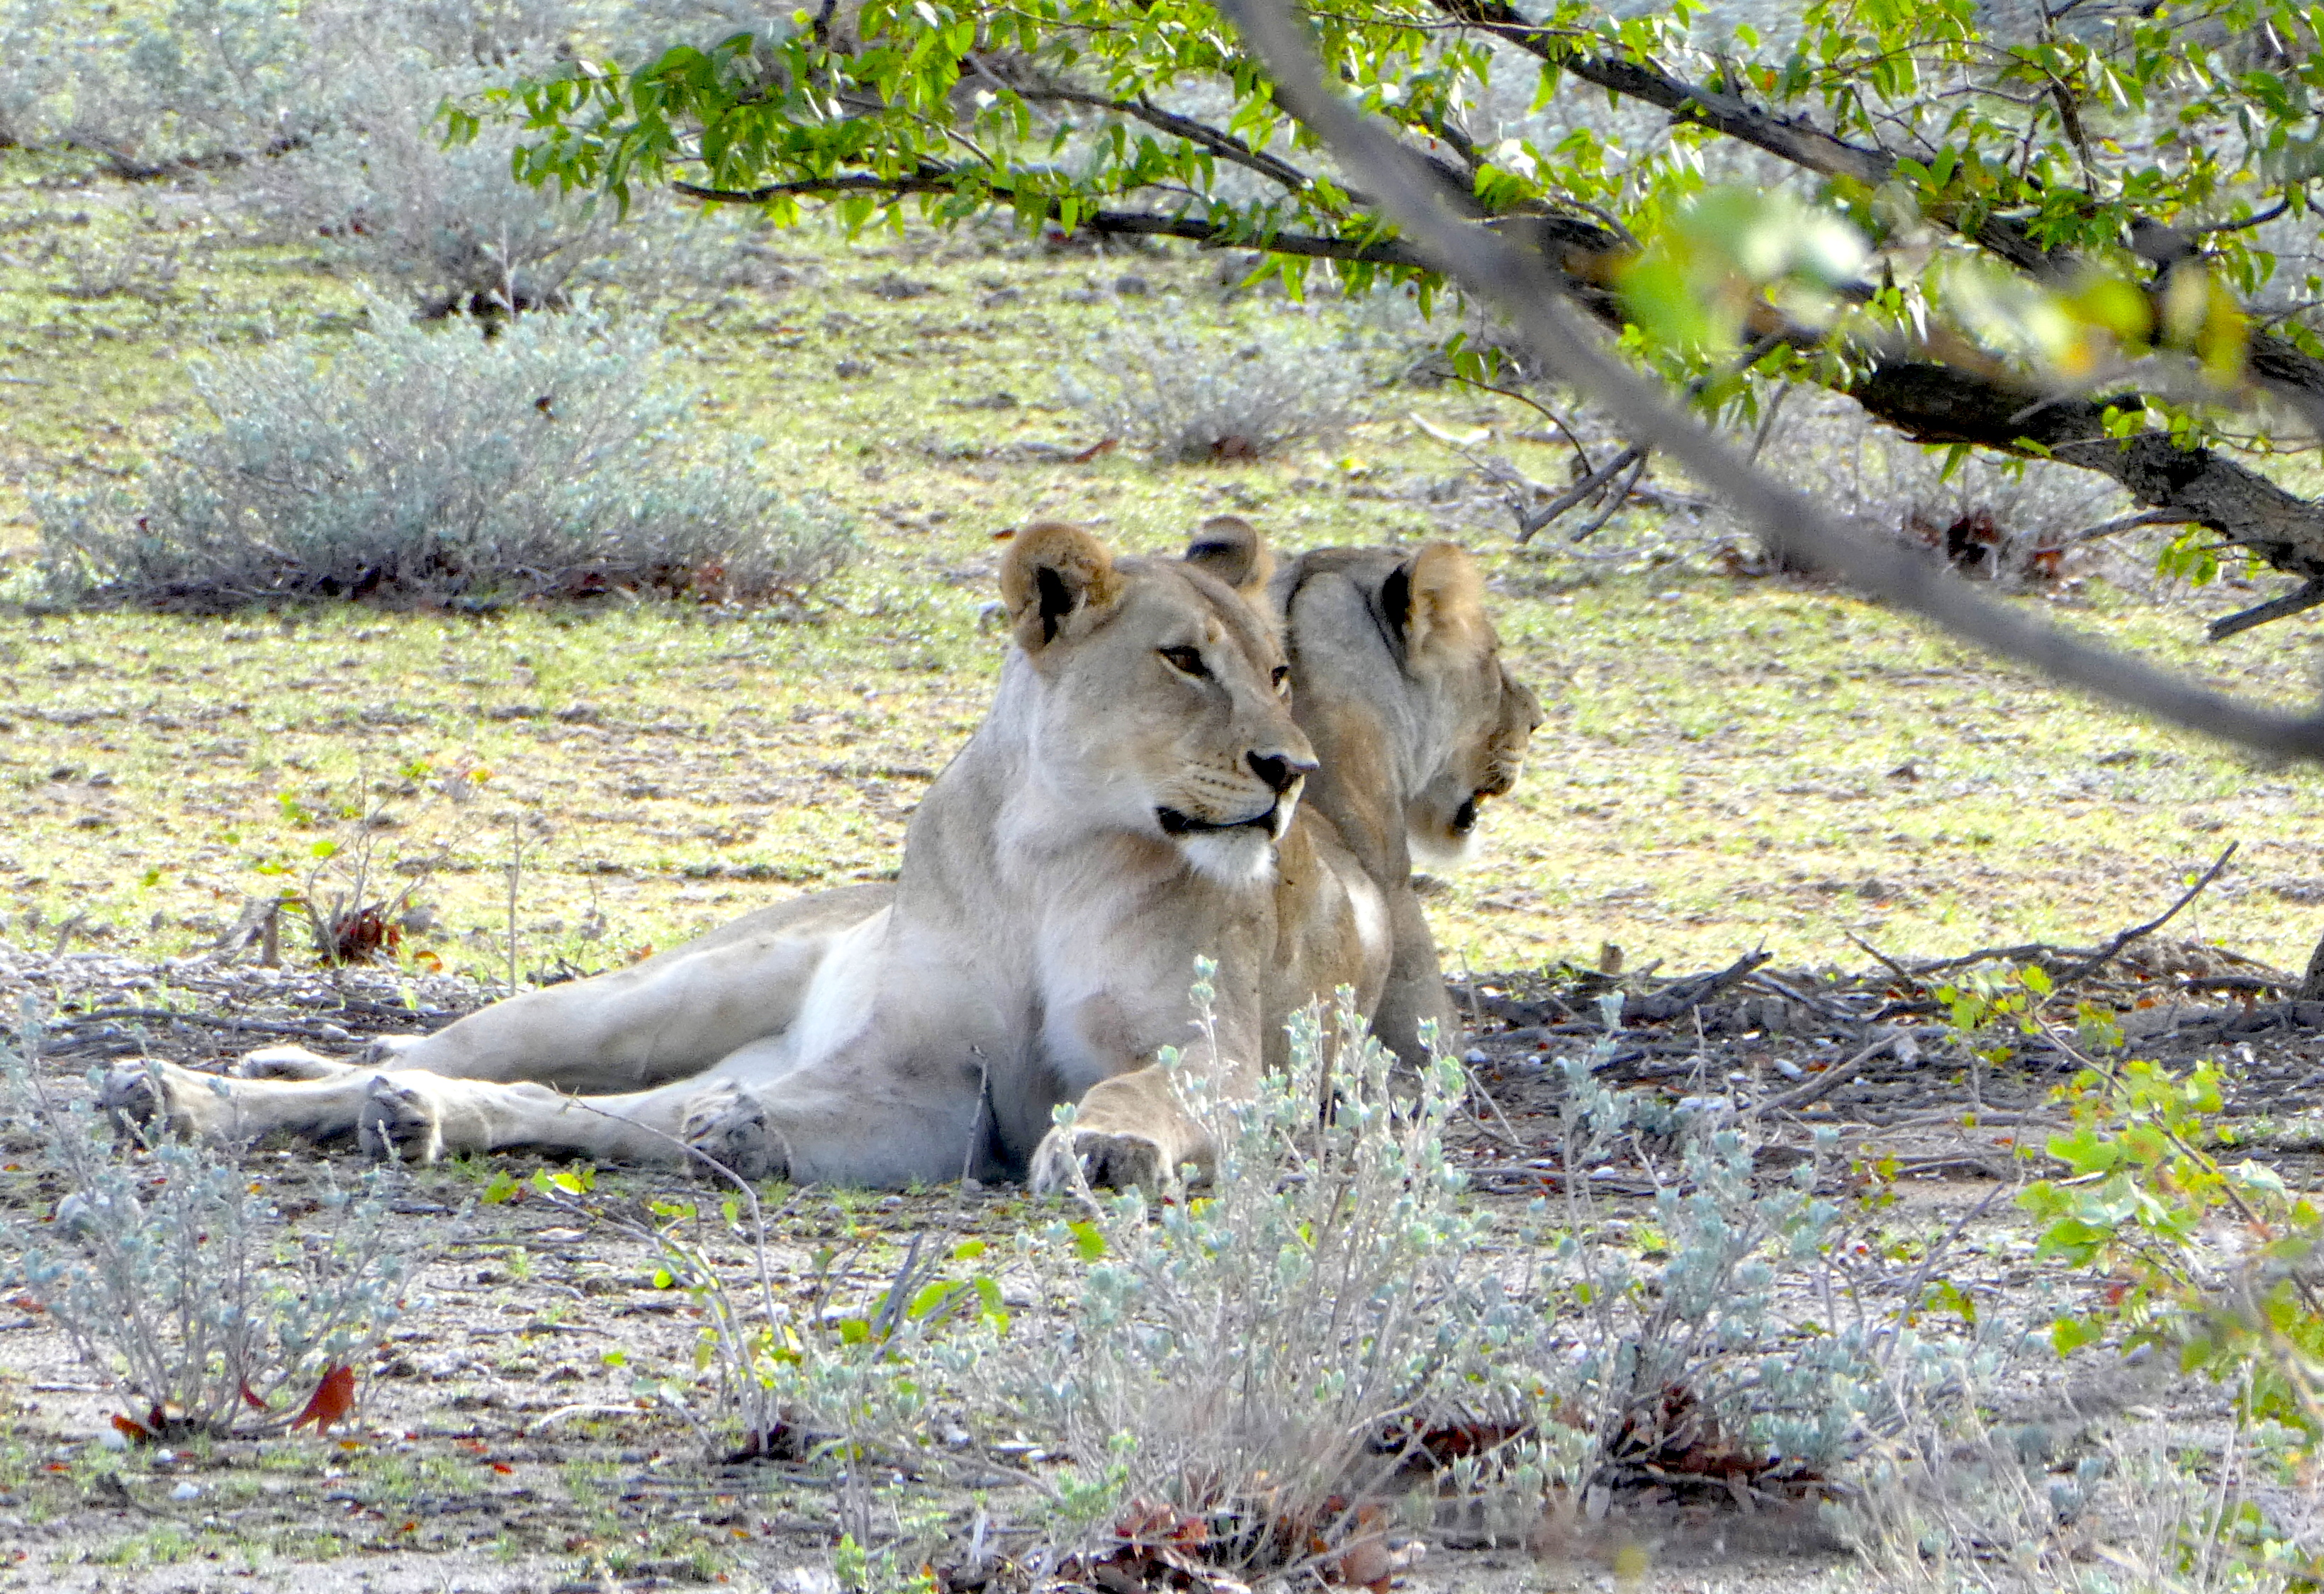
1438	598
1232	548
1055	578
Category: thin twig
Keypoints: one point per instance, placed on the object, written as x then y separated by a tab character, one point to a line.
2106	953
1594	482
1614	501
1831	1078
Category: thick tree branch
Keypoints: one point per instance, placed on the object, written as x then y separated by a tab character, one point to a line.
2275	361
1512	281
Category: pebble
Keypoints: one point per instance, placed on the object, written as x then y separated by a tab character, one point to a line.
185	1491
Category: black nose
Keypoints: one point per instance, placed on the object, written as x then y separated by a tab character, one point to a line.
1280	770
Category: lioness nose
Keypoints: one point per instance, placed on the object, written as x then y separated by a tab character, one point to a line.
1280	770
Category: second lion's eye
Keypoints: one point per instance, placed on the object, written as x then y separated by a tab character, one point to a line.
1186	661
1281	677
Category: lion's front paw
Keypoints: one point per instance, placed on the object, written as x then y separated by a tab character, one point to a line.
295	1063
155	1098
382	1050
1115	1158
399	1121
731	1127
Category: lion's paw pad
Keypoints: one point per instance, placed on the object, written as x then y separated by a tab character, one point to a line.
398	1122
732	1129
1109	1159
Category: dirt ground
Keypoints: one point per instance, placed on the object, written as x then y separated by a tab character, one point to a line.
496	1447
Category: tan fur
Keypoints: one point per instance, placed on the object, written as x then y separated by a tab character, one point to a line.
1117	815
1397	680
1040	940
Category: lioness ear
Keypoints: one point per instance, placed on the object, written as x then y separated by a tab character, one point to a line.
1053	577
1438	598
1232	548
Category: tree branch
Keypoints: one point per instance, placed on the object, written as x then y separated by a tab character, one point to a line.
1490	268
1224	145
2301	598
1927	400
1137	223
2276	363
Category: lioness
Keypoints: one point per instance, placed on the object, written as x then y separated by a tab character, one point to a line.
1132	800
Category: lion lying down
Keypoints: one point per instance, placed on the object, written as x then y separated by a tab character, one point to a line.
1131	802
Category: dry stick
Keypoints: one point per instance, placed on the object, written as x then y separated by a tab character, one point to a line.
1518	283
1615	499
1831	1078
1890	964
1594	482
1565	430
2150	517
2301	598
2112	949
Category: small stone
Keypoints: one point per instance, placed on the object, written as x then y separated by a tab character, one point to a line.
186	1491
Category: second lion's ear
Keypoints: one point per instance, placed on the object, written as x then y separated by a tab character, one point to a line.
1232	548
1055	579
1437	599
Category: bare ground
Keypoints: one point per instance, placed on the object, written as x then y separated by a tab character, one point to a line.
496	1448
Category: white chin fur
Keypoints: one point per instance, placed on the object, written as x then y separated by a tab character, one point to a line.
1442	851
1244	856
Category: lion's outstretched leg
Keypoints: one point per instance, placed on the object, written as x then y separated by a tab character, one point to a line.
843	1128
665	1018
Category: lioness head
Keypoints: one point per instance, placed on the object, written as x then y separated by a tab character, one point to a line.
1162	700
1406	635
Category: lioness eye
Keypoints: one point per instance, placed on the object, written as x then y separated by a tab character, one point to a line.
1281	677
1186	661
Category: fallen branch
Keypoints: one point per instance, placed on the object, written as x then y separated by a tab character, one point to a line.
1693	991
1831	1078
2300	599
2106	953
1589	486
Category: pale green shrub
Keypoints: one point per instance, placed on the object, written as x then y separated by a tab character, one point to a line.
404	464
171	1278
1177	397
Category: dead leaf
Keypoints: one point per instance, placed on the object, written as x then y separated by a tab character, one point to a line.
333	1399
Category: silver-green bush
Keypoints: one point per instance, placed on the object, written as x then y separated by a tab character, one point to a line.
206	1310
1179	398
409	465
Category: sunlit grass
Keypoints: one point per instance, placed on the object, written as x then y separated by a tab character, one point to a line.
1725	763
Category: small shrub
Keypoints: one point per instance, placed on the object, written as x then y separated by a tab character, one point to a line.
416	465
1181	399
1263	1356
377	182
1743	1334
169	1276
